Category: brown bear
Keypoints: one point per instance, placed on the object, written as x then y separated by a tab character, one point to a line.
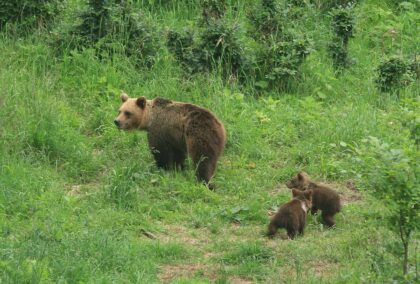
175	129
323	198
292	215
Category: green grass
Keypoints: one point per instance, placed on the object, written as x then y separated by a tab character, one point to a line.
77	195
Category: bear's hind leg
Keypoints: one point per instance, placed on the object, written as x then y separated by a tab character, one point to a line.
328	219
205	168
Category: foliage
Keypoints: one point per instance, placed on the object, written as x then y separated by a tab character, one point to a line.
28	13
281	50
186	51
217	46
391	176
342	22
220	46
394	74
111	27
212	10
327	5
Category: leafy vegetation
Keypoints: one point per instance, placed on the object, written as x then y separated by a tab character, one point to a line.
81	201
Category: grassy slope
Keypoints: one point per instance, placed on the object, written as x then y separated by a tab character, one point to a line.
76	195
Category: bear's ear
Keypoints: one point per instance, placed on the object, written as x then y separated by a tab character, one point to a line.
141	102
124	97
295	192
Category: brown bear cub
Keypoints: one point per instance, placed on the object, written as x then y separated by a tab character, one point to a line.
292	215
175	129
323	198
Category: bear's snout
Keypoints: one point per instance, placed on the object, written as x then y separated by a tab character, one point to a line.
117	123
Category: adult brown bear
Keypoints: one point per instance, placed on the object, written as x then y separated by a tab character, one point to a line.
175	129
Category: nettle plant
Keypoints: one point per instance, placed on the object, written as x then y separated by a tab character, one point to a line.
396	73
342	23
391	175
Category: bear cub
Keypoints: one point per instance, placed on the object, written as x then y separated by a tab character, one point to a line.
292	215
175	130
323	198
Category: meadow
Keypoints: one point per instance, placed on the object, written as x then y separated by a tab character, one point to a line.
82	202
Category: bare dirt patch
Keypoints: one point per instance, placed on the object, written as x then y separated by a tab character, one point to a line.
239	280
171	272
181	234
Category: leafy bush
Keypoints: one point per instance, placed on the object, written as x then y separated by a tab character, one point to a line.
216	45
339	55
186	51
221	47
28	13
395	73
212	10
112	27
342	22
281	49
391	176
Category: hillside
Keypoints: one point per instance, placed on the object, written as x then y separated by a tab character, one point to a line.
82	202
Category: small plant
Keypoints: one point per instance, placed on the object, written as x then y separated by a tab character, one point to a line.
392	176
395	73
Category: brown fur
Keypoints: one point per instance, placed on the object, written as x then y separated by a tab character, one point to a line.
291	215
323	198
174	130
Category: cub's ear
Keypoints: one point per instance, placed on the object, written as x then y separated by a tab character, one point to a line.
141	102
124	97
301	176
308	194
295	192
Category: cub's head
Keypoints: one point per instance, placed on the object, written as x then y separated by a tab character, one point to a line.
133	113
305	196
300	181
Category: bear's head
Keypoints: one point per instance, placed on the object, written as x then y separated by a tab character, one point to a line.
305	196
133	113
300	181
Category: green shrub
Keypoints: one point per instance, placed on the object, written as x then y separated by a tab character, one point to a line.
212	10
110	27
395	73
339	54
281	48
221	46
28	13
391	175
186	51
342	22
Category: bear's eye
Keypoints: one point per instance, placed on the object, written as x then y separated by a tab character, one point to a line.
126	113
